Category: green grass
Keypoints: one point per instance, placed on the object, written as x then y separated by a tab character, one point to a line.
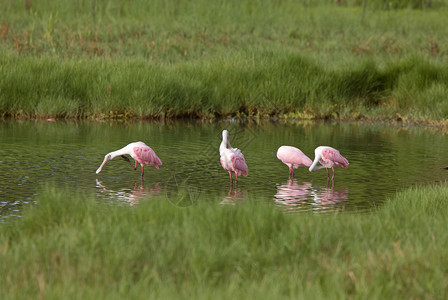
69	246
202	59
172	31
287	85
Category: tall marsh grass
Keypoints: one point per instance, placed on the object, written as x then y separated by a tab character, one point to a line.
287	85
70	246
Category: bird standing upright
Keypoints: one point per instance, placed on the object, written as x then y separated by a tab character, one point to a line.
232	160
293	158
139	151
328	157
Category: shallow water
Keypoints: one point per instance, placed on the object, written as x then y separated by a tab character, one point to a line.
383	159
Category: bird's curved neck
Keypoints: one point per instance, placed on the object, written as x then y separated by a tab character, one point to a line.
314	166
225	144
116	153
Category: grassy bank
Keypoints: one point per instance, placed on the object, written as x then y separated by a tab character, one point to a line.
69	246
168	59
282	85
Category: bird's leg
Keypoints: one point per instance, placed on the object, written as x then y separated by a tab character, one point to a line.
328	177
236	178
328	184
231	179
135	166
142	170
332	178
291	172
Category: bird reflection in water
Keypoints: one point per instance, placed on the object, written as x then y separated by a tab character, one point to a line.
303	196
234	196
292	194
132	196
327	198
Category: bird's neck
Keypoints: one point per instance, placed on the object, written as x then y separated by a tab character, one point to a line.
314	166
224	145
116	153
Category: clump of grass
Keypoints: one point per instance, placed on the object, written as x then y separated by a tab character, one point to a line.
282	85
68	245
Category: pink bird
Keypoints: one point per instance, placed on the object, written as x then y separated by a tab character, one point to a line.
293	158
139	151
328	157
232	160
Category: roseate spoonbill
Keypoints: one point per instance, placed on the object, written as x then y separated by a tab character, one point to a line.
232	160
328	157
139	151
293	158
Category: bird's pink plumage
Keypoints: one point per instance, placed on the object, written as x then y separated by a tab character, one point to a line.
334	156
146	156
293	157
239	165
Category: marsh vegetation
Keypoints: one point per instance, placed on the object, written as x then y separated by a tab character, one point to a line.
69	246
170	59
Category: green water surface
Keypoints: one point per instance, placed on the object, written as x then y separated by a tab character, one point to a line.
383	159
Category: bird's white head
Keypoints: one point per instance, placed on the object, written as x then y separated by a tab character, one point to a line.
106	159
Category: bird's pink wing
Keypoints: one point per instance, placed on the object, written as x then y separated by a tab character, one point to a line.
239	164
147	156
297	157
334	156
